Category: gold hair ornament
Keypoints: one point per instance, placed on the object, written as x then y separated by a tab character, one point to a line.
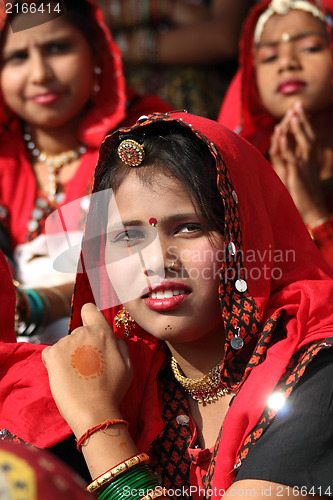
283	7
131	152
206	389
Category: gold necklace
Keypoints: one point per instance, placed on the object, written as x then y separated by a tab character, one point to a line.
53	162
206	389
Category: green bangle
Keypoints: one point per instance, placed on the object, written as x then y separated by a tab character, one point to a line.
123	492
140	476
36	312
30	322
140	470
114	490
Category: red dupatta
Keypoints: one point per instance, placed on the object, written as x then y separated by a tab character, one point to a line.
242	109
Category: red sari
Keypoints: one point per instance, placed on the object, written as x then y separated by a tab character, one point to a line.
243	112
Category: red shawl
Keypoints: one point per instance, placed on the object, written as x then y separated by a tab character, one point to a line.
293	277
241	108
114	104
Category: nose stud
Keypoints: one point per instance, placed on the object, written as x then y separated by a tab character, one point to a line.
173	266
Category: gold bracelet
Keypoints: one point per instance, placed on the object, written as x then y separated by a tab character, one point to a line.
158	492
100	481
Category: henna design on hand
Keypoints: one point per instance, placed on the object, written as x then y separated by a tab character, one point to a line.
88	362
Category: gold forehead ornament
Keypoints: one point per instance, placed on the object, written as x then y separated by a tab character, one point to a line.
283	7
131	152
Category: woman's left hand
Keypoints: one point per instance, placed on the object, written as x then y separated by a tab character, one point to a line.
89	372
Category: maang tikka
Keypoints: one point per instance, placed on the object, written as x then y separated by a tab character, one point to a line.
125	320
131	152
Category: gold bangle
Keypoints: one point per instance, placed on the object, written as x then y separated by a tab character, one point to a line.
100	481
158	492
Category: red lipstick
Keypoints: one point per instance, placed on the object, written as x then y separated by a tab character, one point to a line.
165	296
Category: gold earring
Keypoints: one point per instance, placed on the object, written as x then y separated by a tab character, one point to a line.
125	320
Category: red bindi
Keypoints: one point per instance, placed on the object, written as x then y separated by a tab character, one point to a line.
152	221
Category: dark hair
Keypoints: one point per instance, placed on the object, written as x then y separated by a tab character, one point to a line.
175	151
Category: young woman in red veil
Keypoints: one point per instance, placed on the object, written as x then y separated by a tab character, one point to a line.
200	356
281	101
62	90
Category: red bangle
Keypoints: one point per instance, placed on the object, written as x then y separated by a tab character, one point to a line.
100	427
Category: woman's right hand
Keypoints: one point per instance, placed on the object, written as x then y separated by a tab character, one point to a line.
89	371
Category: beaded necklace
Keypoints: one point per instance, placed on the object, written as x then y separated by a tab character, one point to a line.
53	162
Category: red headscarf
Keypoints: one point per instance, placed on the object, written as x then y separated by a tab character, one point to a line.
242	109
285	275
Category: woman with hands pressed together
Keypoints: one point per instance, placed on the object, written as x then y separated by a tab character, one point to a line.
286	110
212	328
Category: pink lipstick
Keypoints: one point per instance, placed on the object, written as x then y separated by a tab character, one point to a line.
47	98
289	87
